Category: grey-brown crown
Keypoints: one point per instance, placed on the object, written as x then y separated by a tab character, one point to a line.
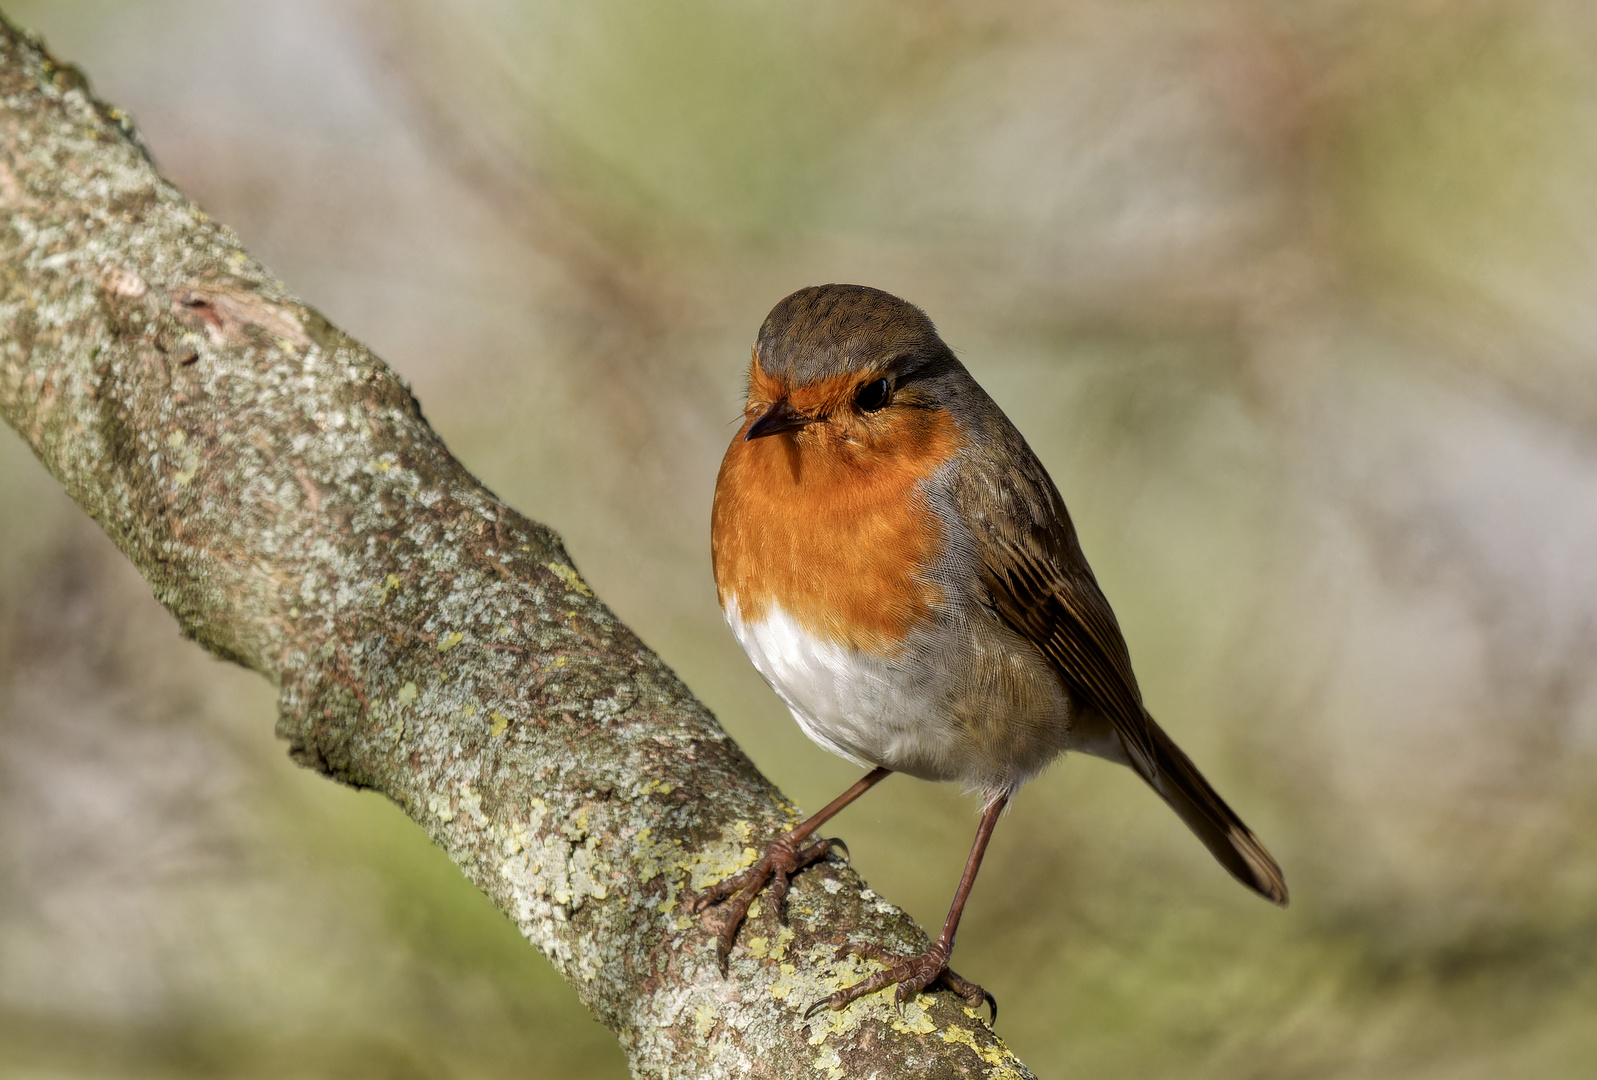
828	330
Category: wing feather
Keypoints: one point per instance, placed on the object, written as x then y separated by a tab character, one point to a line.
1068	618
1041	586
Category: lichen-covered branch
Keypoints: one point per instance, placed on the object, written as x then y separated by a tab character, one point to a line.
278	487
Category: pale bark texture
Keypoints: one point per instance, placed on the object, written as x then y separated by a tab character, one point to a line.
278	487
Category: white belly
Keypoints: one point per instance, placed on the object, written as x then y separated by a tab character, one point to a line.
860	707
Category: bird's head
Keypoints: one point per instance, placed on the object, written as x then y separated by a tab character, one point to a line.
847	368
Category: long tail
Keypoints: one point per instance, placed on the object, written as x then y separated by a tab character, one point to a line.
1206	814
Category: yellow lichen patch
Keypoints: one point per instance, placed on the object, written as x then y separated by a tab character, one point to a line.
786	981
651	856
389	584
568	574
723	858
784	937
703	1021
1004	1065
758	946
191	466
407	693
175	439
500	723
829	1063
450	640
654	859
916	1020
827	1022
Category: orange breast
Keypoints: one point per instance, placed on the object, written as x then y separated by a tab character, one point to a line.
834	530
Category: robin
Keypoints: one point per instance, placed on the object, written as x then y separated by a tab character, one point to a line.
901	569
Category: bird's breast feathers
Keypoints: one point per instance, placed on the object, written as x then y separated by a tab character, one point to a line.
845	546
823	564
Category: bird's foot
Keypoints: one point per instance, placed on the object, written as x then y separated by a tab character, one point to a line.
782	859
911	975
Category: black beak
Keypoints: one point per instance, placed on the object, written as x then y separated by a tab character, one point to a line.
777	419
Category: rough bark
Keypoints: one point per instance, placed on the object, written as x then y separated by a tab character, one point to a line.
278	487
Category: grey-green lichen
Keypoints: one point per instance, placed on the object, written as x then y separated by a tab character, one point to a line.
278	488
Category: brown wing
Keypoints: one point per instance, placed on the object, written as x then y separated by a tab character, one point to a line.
1041	586
1061	610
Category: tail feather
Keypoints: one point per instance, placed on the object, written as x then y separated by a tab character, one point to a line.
1181	785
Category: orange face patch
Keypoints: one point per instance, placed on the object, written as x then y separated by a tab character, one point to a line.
830	522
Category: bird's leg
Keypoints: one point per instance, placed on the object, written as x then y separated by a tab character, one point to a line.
913	974
784	857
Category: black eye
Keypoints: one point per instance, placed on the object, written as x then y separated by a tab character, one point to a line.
873	396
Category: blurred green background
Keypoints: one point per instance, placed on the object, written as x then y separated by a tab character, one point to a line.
1297	301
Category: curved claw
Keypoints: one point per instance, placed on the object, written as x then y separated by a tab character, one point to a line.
970	992
815	1008
833	843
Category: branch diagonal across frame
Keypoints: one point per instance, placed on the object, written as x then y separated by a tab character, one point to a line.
277	486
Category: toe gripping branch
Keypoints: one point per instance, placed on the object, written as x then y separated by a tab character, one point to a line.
912	974
784	857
